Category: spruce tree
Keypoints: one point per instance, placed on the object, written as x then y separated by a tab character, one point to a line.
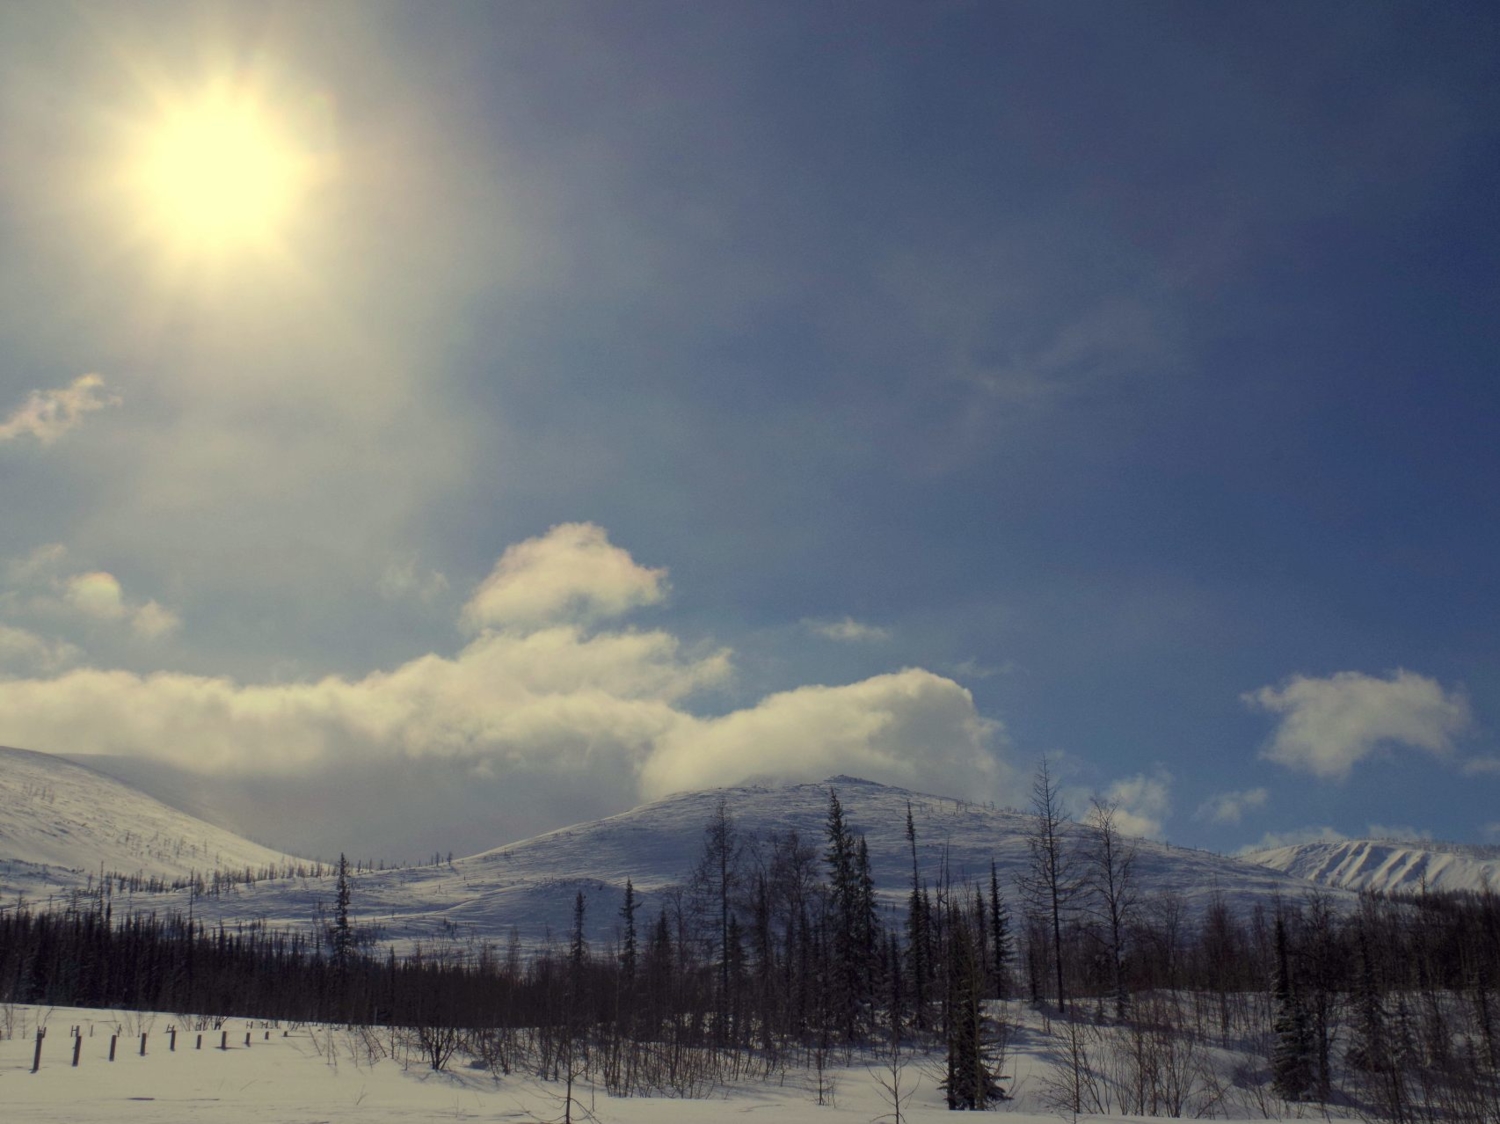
1291	1057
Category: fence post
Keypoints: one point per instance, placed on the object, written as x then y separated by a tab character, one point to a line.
224	1040
143	1044
36	1059
77	1045
199	1046
171	1038
247	1040
113	1038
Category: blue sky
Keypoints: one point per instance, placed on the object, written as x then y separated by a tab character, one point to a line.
905	390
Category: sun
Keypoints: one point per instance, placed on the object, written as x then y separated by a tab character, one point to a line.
217	174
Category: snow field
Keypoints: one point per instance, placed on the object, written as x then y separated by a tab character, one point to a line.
331	1075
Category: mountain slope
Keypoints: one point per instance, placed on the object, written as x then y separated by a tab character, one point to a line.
1387	866
61	823
530	886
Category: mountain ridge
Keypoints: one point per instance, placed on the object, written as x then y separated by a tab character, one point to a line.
62	824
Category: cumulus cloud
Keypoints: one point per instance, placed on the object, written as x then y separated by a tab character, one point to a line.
848	630
23	650
599	710
48	414
1327	726
571	573
907	727
1230	807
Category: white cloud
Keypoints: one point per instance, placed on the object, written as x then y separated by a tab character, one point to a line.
973	669
1142	803
96	594
41	585
572	573
1230	807
402	580
1480	766
1403	833
48	414
22	649
600	711
1274	839
848	630
152	621
1327	726
909	727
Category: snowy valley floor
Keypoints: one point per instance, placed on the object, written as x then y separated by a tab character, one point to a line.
313	1074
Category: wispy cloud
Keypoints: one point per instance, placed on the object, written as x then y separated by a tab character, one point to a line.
48	414
1142	803
403	580
1271	840
848	631
1230	807
20	649
1327	726
41	583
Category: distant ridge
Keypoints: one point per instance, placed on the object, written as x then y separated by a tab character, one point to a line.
1387	866
528	887
61	823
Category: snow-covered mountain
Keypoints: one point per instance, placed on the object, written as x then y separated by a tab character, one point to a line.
62	823
1387	866
530	886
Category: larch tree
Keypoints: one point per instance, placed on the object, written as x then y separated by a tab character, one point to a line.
1051	882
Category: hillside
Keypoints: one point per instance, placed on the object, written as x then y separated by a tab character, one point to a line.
529	886
1387	866
61	823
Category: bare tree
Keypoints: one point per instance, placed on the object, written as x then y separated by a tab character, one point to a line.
1110	867
715	882
1051	882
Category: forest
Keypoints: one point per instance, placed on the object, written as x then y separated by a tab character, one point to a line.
772	955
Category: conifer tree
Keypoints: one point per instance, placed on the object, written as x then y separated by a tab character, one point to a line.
918	944
1000	942
1291	1057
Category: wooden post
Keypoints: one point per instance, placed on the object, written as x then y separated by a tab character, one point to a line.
268	1036
36	1059
172	1038
199	1045
143	1043
224	1040
247	1040
113	1038
77	1045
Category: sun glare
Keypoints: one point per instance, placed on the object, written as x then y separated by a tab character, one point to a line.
216	175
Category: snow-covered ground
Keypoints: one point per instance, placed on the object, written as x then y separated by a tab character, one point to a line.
310	1074
1387	866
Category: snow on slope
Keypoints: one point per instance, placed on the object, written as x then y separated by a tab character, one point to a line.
531	885
61	822
1387	866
